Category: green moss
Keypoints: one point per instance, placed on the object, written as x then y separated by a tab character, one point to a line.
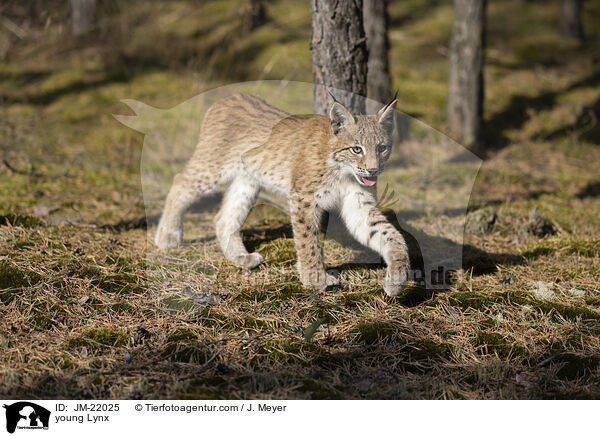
42	321
19	220
495	343
124	307
426	349
251	294
65	361
294	346
567	311
278	252
13	278
592	301
371	332
107	336
182	334
352	299
565	246
184	347
126	264
96	363
285	290
23	244
473	300
479	301
413	295
119	283
291	290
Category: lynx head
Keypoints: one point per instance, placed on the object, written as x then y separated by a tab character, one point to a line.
362	144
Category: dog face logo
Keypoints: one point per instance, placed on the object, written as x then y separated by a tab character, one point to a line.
26	415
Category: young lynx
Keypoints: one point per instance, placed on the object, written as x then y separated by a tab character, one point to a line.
319	164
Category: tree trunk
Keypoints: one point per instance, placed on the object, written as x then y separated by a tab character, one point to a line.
465	87
339	52
82	14
257	14
378	71
570	19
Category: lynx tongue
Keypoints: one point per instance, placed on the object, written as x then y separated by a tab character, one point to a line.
369	181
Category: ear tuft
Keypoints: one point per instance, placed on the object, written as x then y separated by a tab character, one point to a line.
385	116
340	118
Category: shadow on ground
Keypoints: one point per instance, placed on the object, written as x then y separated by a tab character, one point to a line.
518	112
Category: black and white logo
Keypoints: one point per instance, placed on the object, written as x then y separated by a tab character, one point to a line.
26	415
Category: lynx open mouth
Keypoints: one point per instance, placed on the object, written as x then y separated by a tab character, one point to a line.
367	181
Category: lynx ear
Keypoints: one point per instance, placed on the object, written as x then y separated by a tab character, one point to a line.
340	118
385	116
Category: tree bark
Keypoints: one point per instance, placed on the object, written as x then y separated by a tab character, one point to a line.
570	19
257	14
465	87
378	72
339	52
82	14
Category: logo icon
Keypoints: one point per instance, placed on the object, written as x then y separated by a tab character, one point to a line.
26	415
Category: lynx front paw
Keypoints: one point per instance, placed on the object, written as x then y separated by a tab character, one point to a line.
394	283
167	239
249	261
319	281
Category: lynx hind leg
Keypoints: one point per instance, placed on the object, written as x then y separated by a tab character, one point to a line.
237	202
182	195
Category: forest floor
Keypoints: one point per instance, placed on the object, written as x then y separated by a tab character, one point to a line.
85	316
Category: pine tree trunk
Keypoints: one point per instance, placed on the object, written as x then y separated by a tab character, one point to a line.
465	87
82	14
257	14
570	19
378	72
339	52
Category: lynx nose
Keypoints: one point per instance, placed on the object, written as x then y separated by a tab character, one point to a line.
372	171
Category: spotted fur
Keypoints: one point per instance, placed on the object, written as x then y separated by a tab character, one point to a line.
319	164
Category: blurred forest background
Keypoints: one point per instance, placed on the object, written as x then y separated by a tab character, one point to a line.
78	320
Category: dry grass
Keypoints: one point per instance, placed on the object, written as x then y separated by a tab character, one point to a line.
90	310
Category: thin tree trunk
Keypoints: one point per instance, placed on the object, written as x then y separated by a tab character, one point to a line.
82	14
339	52
570	19
378	71
465	87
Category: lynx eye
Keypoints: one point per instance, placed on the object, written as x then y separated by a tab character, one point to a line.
382	148
356	150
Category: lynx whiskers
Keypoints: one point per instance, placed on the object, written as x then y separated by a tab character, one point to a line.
319	164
